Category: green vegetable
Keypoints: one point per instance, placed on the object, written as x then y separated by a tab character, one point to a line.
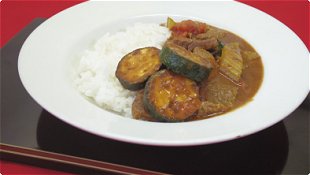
136	67
170	23
218	51
184	62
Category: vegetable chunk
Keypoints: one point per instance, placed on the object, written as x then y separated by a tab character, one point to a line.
136	67
231	62
170	23
184	62
171	97
188	27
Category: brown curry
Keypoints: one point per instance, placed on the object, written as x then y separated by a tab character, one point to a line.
248	85
220	71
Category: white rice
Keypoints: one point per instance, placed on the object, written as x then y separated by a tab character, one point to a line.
96	69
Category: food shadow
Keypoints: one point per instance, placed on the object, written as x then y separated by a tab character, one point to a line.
260	153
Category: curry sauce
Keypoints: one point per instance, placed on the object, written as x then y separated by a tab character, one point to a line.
205	72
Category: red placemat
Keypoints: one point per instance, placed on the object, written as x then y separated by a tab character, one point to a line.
294	14
8	167
17	14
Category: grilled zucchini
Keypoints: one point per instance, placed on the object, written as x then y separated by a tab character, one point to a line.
136	67
184	62
171	97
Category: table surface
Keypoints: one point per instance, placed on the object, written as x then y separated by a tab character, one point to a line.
280	149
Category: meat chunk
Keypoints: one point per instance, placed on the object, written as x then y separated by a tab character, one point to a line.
212	32
182	41
218	95
210	109
204	54
190	44
138	111
221	90
206	44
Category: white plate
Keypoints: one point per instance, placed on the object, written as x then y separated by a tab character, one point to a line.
46	57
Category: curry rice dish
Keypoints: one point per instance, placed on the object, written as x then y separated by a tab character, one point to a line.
199	72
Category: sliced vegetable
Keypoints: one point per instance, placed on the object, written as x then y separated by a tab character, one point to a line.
136	67
231	62
137	109
182	61
171	97
170	23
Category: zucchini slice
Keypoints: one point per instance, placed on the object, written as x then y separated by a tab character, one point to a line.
137	66
184	62
171	97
